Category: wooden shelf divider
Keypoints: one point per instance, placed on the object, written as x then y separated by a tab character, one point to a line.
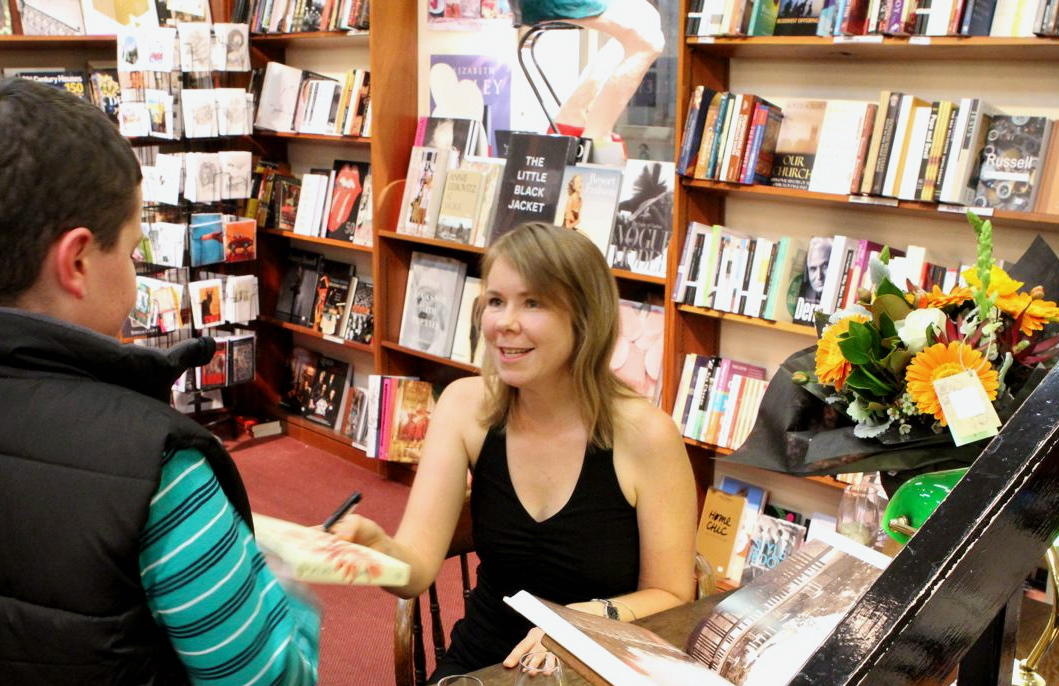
316	240
313	137
787	327
976	48
1030	220
305	330
396	347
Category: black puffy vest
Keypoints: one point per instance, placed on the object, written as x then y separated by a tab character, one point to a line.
83	428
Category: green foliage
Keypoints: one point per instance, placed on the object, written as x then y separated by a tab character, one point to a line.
983	231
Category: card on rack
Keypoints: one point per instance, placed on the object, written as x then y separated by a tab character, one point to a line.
207	239
206	301
241	359
240	240
214	374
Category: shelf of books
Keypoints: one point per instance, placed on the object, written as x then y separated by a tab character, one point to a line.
322	200
878	47
810	144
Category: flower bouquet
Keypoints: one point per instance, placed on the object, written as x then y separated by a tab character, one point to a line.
863	398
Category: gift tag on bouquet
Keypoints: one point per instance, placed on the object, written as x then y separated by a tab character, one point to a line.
966	406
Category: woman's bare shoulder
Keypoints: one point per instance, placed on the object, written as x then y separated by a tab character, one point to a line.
642	427
461	409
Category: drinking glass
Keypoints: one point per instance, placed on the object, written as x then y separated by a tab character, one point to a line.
540	669
460	680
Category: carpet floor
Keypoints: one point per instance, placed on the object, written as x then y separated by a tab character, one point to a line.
288	479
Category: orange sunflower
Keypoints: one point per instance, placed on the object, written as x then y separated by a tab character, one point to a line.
937	298
1035	312
831	366
939	361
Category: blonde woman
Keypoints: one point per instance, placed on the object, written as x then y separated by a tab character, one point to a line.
582	491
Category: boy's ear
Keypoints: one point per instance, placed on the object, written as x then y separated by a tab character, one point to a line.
67	260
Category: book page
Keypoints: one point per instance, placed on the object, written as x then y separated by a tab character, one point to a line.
621	654
763	633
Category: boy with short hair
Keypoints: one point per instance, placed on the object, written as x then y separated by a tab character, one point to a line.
128	557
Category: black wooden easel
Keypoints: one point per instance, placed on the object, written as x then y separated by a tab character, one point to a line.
951	596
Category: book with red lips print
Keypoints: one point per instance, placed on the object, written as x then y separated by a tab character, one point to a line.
345	198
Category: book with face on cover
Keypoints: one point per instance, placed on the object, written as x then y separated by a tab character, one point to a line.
760	635
318	557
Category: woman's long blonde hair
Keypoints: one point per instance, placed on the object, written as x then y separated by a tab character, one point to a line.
565	269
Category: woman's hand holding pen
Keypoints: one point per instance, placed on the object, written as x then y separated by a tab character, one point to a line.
359	529
353	527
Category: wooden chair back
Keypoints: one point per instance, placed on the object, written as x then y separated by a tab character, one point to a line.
409	653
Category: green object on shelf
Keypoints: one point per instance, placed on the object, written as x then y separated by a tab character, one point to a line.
915	500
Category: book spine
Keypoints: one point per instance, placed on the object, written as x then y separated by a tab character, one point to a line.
886	143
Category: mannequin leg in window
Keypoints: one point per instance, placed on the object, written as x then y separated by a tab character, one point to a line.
616	71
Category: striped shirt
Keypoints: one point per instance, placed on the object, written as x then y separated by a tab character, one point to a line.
228	618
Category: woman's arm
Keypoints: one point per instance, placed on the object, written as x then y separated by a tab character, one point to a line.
649	449
437	495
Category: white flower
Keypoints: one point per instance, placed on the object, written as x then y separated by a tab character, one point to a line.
848	312
858	411
913	328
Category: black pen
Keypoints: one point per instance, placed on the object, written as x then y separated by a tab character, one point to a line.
345	507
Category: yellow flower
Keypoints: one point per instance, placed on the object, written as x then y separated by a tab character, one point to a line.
936	298
939	361
999	282
831	366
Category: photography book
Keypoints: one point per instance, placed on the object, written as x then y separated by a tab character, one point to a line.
761	634
318	557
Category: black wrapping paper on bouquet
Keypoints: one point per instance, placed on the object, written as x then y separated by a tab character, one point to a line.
798	433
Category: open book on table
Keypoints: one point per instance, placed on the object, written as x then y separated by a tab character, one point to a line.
760	635
318	557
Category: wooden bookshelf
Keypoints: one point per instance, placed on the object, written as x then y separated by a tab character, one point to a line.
786	327
313	137
917	48
433	242
313	333
435	359
394	108
1030	220
321	39
317	240
57	42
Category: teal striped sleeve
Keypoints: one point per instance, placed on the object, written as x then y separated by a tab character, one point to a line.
207	586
